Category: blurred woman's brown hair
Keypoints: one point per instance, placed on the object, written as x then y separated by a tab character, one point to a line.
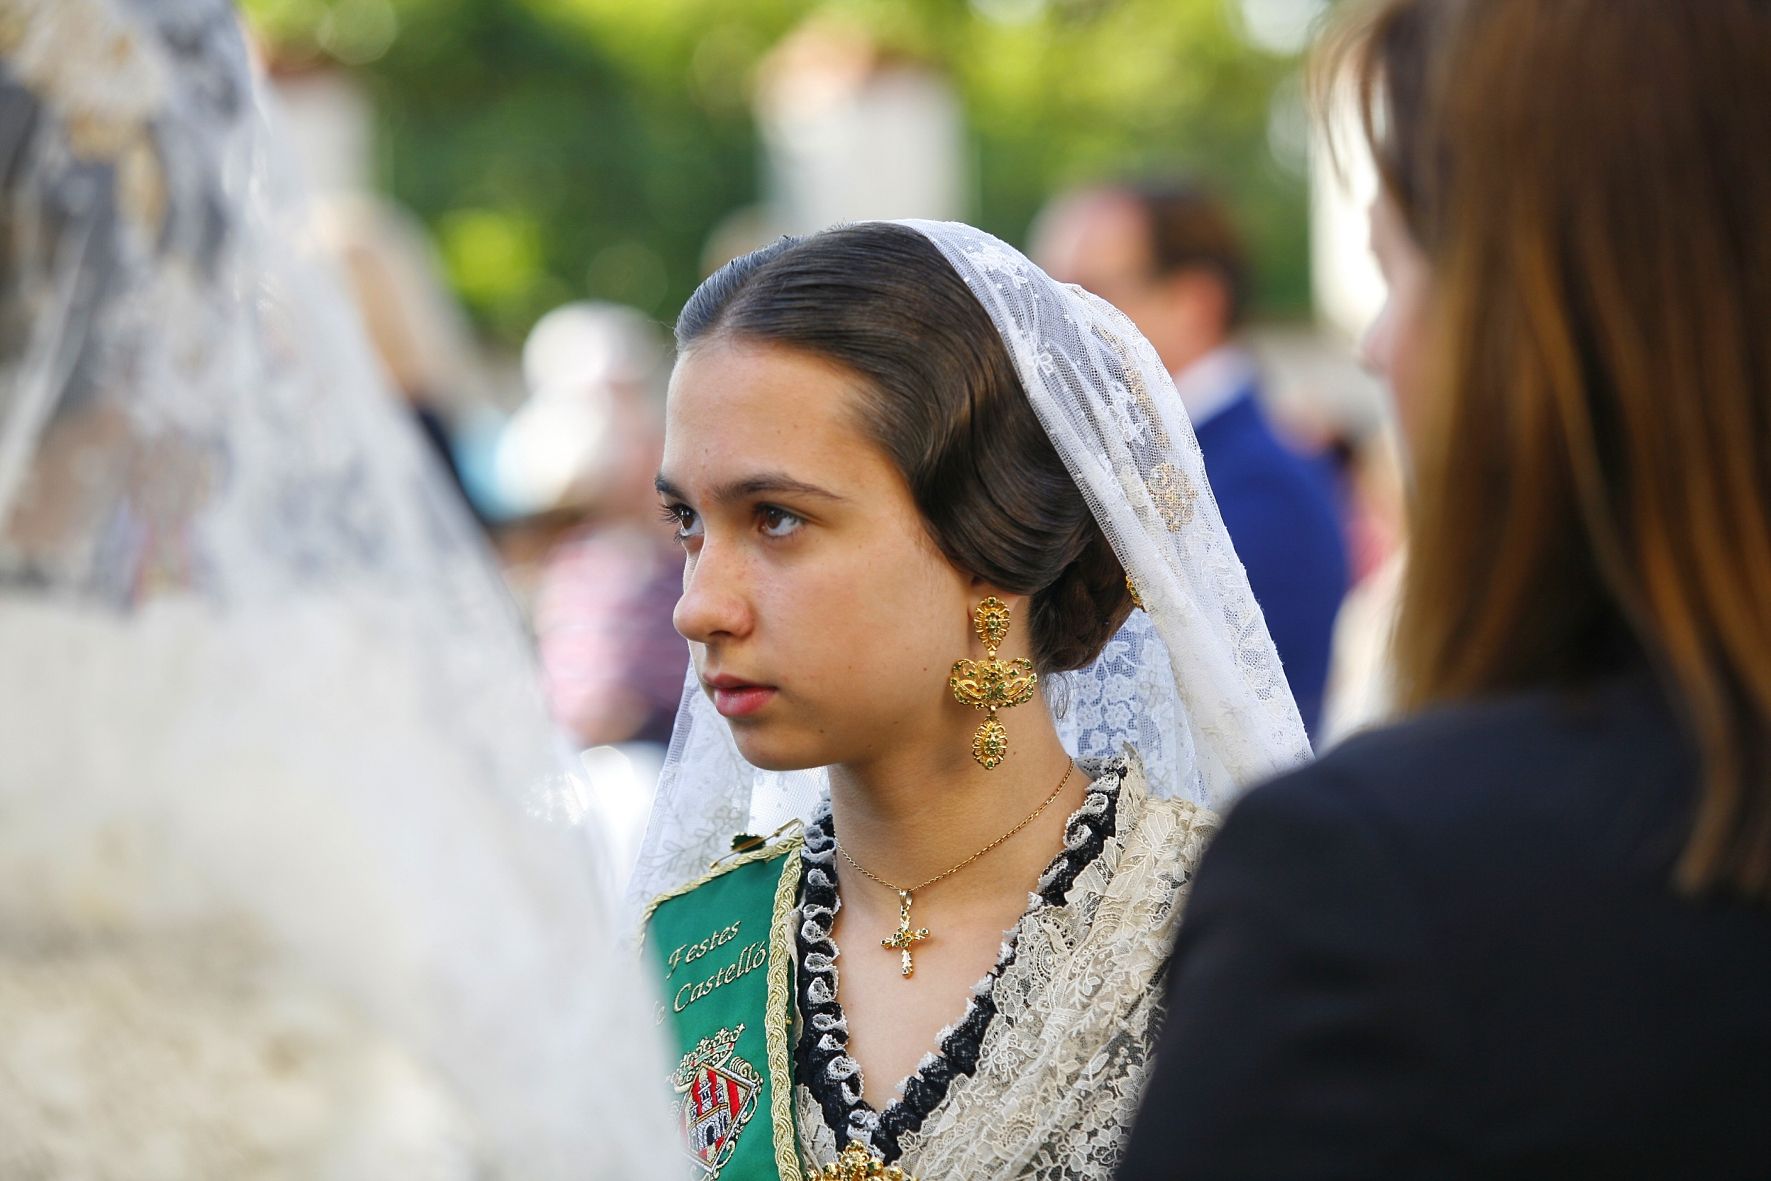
1591	182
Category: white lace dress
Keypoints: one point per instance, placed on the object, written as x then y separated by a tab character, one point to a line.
1043	1074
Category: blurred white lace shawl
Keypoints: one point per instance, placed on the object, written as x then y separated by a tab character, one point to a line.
290	886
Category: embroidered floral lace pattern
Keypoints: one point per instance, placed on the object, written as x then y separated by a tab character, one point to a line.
1061	1064
821	1061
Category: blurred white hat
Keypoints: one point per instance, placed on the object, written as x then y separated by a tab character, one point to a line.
585	346
583	364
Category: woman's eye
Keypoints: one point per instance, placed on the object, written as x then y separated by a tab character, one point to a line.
778	522
683	517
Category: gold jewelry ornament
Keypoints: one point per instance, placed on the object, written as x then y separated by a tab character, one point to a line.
907	937
903	939
857	1164
991	684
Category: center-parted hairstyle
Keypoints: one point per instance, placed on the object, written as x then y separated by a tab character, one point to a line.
1591	184
940	396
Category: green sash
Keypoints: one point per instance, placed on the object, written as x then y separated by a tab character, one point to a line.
724	947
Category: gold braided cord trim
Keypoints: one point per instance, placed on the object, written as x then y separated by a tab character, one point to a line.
775	1024
720	868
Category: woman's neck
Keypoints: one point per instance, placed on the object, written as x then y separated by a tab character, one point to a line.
924	808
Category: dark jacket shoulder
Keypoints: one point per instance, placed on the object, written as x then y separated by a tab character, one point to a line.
1555	761
1454	948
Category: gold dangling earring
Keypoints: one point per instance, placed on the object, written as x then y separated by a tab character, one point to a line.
991	684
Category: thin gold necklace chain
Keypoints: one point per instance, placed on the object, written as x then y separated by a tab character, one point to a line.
1069	770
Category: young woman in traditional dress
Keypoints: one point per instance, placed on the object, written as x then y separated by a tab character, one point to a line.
971	643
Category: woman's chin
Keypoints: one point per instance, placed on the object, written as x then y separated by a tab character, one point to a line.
778	752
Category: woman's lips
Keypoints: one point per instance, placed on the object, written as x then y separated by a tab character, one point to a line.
737	699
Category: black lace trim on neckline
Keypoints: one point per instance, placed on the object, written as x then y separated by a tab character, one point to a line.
821	1057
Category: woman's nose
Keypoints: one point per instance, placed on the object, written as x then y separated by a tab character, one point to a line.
714	603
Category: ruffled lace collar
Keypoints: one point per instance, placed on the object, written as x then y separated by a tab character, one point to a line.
821	1056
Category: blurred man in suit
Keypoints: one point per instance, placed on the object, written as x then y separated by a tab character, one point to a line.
1171	260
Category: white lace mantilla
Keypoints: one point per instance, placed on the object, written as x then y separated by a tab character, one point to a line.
1062	1067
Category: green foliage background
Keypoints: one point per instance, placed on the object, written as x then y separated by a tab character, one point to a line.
569	148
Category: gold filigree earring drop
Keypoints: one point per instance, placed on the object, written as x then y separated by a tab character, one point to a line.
991	684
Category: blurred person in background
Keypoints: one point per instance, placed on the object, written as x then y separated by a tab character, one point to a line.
291	885
581	453
1527	932
1361	689
1170	259
575	466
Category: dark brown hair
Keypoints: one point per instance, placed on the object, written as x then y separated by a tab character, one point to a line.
1590	182
1190	229
943	401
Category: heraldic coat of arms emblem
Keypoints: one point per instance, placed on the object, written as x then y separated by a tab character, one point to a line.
717	1094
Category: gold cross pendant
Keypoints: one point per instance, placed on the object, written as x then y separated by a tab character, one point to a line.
903	939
